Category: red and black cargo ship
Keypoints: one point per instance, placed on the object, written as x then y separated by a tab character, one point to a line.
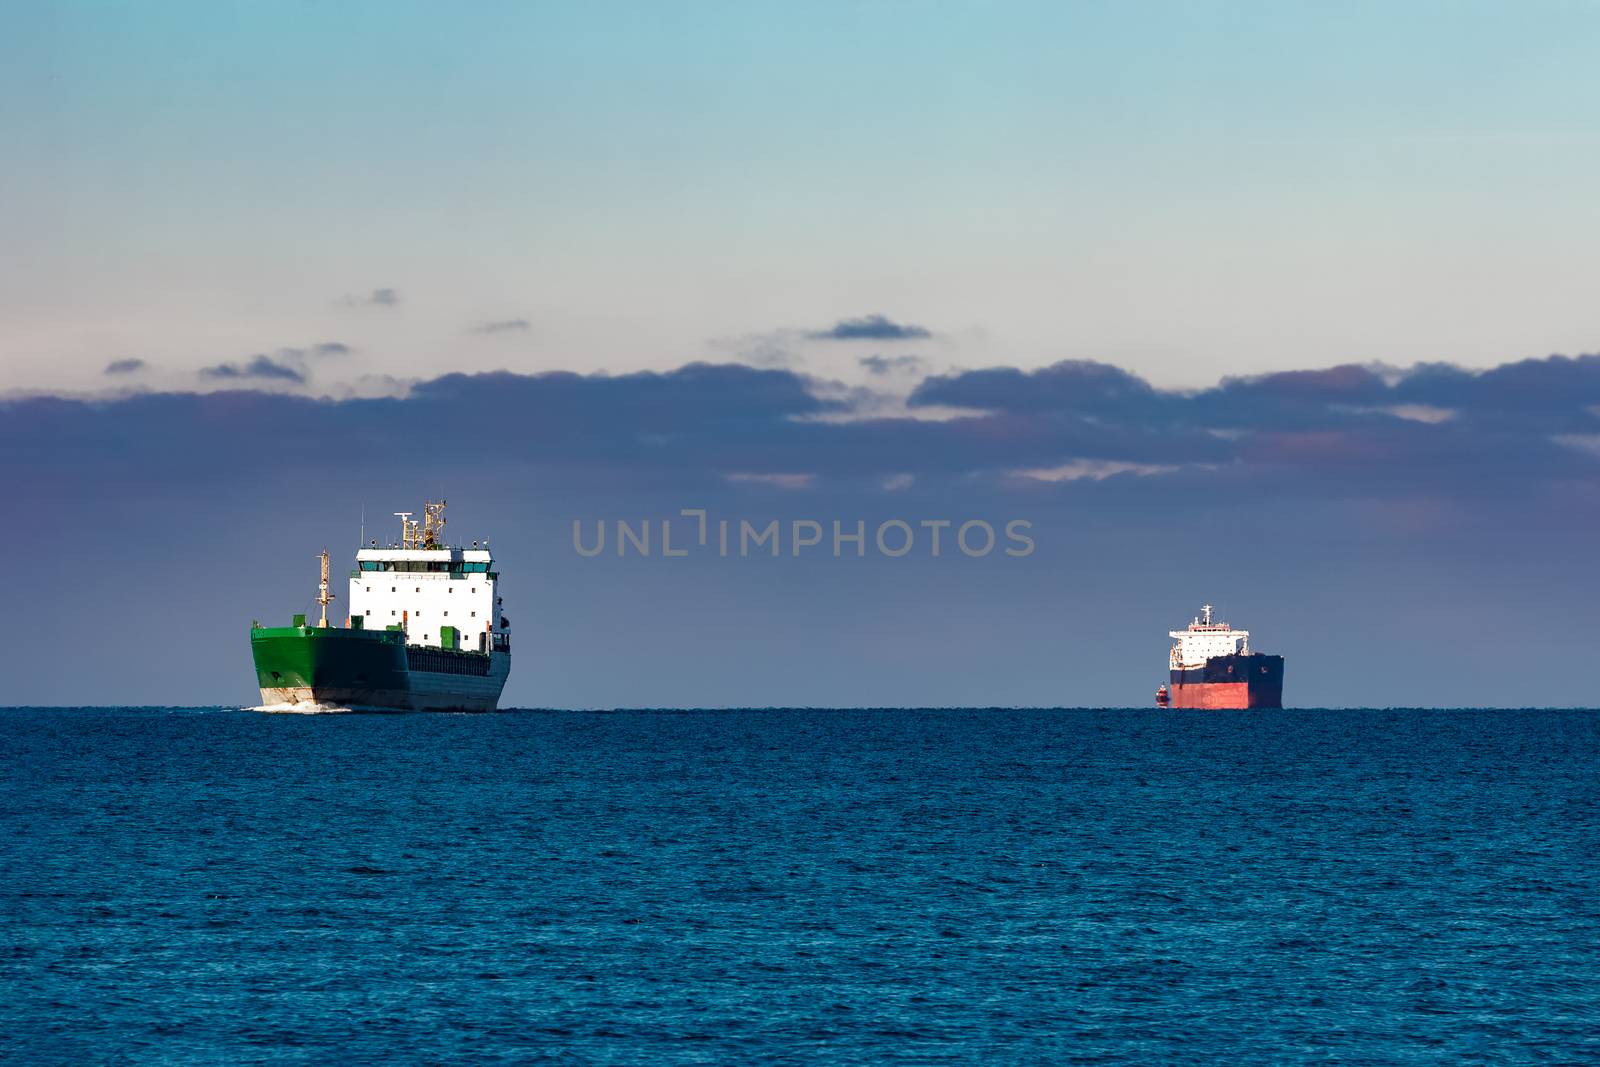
1211	666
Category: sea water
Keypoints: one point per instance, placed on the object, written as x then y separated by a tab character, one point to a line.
778	886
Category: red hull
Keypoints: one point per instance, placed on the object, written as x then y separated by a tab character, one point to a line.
1220	695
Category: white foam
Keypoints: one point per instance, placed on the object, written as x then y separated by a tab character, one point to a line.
308	707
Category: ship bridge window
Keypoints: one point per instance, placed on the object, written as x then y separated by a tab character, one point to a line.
417	566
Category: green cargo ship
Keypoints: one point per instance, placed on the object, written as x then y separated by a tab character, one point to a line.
426	632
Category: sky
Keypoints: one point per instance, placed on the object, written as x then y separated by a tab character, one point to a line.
1280	306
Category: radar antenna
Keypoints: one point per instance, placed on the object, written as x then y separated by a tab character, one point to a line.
1205	614
407	528
323	596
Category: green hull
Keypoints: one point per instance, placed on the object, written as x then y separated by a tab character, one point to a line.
363	669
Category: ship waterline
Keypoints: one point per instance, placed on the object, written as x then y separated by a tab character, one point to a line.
371	669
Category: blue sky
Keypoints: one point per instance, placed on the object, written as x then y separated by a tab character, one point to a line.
1189	190
1249	303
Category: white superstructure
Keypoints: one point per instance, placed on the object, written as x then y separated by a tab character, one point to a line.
442	596
1204	639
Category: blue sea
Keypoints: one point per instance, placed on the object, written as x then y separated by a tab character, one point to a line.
213	885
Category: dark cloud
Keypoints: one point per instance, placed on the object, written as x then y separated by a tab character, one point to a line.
888	364
376	298
1337	432
258	367
286	364
1530	392
1072	386
1547	395
871	328
125	366
501	326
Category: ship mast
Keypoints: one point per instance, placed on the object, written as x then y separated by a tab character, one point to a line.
433	524
323	596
